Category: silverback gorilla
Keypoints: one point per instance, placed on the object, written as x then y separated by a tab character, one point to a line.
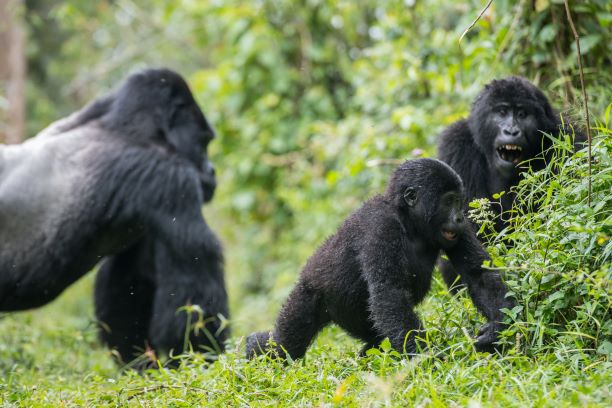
377	267
506	127
121	181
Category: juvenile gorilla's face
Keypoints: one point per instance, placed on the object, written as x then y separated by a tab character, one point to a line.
440	220
515	136
448	222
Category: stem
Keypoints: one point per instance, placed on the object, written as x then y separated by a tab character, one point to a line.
476	20
584	95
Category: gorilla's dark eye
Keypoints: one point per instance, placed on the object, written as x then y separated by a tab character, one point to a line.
502	111
521	114
410	196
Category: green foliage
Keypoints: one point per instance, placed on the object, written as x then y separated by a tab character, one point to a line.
560	253
313	99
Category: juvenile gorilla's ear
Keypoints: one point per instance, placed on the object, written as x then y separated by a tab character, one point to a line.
410	196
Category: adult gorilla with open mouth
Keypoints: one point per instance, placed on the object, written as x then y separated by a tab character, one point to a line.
121	181
504	134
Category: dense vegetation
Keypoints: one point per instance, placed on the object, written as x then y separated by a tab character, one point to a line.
314	102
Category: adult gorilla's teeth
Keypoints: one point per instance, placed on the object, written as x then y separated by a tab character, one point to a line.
512	147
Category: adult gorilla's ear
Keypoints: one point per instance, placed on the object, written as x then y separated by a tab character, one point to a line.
410	196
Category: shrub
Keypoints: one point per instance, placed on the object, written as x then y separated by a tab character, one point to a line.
557	251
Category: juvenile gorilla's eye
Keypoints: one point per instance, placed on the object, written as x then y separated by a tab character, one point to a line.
502	111
410	196
521	114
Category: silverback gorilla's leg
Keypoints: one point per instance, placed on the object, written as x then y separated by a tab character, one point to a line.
123	301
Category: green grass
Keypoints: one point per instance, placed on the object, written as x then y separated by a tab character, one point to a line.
559	343
50	357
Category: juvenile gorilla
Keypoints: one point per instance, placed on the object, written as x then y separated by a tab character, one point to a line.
489	149
377	267
123	181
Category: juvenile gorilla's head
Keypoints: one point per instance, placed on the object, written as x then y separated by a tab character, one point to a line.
155	107
508	120
432	196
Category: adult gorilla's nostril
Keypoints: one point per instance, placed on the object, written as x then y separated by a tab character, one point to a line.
512	132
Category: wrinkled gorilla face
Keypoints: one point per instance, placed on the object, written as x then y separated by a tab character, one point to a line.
508	121
515	133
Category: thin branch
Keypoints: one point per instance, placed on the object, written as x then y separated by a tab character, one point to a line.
584	95
476	20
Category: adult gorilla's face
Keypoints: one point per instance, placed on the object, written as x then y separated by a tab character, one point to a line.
508	121
516	136
156	106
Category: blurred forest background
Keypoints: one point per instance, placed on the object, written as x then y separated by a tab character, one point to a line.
314	102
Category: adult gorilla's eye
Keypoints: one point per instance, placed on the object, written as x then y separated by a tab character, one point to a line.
502	111
521	114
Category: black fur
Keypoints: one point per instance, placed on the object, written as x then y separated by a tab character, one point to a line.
123	181
377	267
507	111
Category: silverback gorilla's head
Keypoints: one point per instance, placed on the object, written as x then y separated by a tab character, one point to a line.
155	106
508	120
432	195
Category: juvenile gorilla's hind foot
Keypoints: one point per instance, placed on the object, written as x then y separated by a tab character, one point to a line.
257	344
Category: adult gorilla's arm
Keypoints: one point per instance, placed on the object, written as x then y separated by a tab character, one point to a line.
192	277
486	288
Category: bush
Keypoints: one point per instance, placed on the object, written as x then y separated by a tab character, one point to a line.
558	249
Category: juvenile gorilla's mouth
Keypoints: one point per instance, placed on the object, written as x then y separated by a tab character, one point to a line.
449	235
510	153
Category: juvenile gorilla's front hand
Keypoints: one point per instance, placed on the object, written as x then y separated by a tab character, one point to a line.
488	335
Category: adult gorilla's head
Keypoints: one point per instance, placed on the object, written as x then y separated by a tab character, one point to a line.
155	107
508	120
431	194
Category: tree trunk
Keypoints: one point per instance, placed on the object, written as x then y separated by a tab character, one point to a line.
12	72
